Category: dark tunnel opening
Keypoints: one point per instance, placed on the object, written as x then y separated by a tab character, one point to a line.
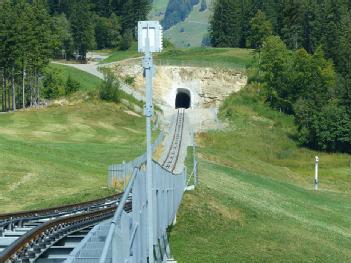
183	99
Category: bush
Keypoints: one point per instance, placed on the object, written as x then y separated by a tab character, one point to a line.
127	40
327	128
110	88
71	86
129	80
167	44
53	85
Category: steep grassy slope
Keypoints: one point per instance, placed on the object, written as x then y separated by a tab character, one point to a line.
192	30
188	33
255	201
60	155
158	9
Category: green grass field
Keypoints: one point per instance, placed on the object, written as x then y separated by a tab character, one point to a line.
206	57
119	55
255	201
61	154
202	57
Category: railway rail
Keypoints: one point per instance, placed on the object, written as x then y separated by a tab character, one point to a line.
26	235
171	160
49	212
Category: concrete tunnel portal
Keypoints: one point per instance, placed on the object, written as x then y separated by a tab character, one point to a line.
183	99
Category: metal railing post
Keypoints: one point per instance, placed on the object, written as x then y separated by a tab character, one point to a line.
124	175
194	159
116	217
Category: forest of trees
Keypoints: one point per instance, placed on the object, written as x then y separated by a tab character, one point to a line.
34	31
303	60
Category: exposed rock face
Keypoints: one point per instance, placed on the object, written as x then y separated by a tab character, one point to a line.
208	86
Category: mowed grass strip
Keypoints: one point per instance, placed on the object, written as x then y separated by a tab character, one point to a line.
198	57
255	201
206	57
60	155
236	216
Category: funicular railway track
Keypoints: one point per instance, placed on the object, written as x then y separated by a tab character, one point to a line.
39	230
171	160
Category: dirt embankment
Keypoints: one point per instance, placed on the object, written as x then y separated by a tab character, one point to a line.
208	86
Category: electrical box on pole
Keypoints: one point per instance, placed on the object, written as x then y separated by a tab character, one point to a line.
153	30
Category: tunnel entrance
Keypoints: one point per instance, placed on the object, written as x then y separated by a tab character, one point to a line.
183	99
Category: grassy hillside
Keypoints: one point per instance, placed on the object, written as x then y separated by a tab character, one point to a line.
190	32
255	201
202	57
158	9
60	155
87	81
206	57
119	55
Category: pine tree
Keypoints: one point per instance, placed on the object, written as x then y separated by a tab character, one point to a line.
292	29
107	32
260	29
10	52
337	22
275	65
127	14
62	37
82	28
141	10
225	24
